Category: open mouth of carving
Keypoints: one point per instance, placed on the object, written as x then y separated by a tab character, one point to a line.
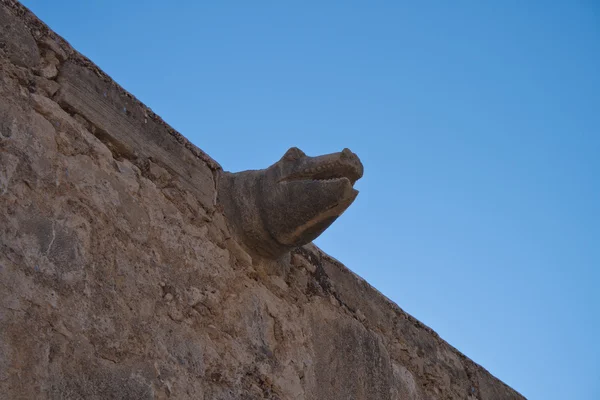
326	173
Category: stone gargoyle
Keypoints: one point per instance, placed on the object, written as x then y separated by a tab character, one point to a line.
289	204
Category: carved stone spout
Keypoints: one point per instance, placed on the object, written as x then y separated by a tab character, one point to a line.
291	202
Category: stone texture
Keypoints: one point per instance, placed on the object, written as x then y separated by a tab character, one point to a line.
16	41
120	277
127	131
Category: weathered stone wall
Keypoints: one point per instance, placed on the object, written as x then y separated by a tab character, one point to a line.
119	277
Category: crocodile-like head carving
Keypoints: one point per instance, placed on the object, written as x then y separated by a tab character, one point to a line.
290	203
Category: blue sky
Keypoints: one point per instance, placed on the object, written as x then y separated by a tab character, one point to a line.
478	124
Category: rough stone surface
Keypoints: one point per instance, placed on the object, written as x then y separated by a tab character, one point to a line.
16	41
120	277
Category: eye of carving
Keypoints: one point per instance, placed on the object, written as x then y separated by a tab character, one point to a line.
294	154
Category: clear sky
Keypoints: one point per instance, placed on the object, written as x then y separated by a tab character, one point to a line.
478	123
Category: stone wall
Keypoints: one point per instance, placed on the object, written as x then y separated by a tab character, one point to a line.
119	277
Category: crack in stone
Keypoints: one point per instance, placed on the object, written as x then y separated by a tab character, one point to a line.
53	237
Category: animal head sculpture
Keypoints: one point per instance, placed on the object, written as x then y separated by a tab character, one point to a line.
290	203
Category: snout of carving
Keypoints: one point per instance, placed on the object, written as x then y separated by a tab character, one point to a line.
345	164
352	160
